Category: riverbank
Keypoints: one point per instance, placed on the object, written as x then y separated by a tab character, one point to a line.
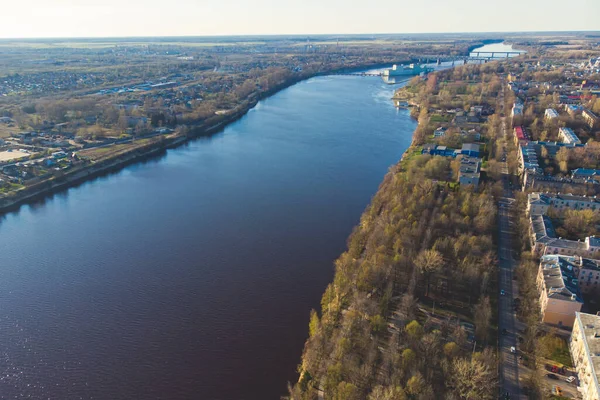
135	154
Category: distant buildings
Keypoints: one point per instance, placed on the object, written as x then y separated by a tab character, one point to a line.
568	136
550	113
585	352
560	297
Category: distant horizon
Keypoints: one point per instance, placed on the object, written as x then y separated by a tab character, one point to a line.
302	35
181	18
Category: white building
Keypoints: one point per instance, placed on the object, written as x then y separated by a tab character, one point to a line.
550	113
568	136
585	351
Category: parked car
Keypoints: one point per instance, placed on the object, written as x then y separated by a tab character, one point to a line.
513	349
570	379
502	293
552	376
504	331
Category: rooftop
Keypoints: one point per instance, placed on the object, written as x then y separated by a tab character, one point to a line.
560	279
589	325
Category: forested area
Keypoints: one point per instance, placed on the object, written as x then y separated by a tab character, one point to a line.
409	313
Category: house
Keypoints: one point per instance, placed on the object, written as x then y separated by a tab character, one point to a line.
440	132
591	119
585	348
435	150
560	297
470	149
550	113
568	136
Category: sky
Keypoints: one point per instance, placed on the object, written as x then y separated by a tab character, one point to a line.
121	18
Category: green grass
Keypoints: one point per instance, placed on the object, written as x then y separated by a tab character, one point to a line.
562	356
440	118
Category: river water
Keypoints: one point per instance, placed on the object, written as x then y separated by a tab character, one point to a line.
191	276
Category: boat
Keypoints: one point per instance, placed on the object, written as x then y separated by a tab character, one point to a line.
406	70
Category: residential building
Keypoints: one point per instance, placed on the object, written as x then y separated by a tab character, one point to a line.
591	119
573	109
517	110
568	136
585	352
550	113
528	159
520	135
543	236
560	297
440	132
470	171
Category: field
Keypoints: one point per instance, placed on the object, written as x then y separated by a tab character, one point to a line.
12	155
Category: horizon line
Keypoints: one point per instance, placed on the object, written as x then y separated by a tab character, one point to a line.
298	35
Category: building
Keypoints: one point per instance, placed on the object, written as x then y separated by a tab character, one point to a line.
568	136
528	159
586	174
435	150
573	109
585	352
517	110
521	136
440	132
550	113
560	297
543	235
470	171
470	149
591	119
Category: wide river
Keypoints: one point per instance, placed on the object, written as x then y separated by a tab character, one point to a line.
191	276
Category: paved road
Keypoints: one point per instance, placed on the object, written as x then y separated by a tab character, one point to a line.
509	364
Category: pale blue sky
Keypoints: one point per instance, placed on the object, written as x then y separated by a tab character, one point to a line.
92	18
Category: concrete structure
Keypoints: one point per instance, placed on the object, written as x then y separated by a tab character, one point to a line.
528	159
585	352
568	136
560	297
539	203
550	113
591	119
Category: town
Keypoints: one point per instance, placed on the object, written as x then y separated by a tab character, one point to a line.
540	159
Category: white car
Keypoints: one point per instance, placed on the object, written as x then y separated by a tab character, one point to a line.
513	349
570	379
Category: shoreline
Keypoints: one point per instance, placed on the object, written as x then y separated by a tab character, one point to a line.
75	177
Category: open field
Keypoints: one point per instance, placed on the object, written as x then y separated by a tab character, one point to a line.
12	155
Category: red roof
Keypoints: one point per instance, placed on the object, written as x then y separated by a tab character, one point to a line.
520	133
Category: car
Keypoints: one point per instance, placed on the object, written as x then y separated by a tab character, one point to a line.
502	292
513	349
504	331
570	379
521	340
552	376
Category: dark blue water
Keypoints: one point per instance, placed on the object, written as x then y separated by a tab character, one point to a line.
191	276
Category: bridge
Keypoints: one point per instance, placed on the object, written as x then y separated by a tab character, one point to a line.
478	54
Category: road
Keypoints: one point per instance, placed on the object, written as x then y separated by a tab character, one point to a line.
509	363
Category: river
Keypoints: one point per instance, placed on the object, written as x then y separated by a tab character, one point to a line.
191	275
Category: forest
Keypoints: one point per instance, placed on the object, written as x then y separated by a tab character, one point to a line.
410	312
